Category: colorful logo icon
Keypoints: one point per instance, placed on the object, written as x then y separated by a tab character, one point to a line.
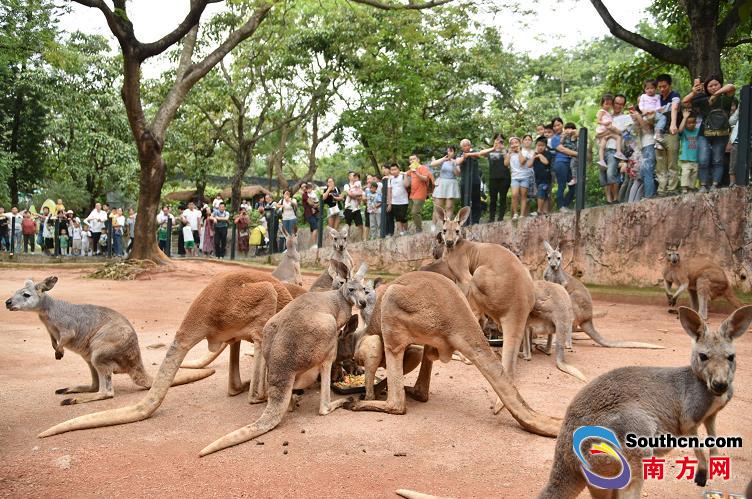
608	444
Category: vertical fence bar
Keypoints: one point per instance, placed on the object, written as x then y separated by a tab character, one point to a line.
743	149
320	233
12	249
169	237
384	217
582	150
273	232
110	244
57	237
234	239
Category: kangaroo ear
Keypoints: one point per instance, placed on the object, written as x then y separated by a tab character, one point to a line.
361	273
463	215
333	233
692	323
440	237
284	231
377	282
345	230
340	269
47	284
737	323
548	247
440	213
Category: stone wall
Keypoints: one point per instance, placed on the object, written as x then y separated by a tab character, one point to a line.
609	245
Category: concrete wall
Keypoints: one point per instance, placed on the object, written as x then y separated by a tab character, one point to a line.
608	245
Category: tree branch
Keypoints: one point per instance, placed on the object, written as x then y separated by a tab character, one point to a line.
729	24
191	20
121	28
738	42
656	49
408	6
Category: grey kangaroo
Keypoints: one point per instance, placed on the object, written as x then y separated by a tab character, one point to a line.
340	254
582	302
104	338
650	401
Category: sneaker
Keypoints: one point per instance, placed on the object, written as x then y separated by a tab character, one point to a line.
713	187
685	190
703	189
572	182
602	163
620	155
515	217
564	209
533	214
658	146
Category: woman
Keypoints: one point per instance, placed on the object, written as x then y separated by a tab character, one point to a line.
207	240
561	166
711	101
331	198
288	206
447	188
118	223
529	153
243	222
521	169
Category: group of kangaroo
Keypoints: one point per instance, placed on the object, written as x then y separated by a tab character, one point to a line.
301	337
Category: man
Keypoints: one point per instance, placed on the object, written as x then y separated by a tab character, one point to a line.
192	217
561	166
471	180
15	227
353	196
386	173
96	220
609	179
667	153
164	215
397	199
420	177
4	230
220	230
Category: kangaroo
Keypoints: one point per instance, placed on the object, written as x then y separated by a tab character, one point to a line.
101	336
701	276
288	269
427	308
234	305
340	254
650	401
582	302
300	342
494	280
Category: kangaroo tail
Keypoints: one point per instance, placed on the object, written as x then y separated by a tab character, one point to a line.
278	402
185	377
204	361
564	332
490	366
142	410
411	494
589	328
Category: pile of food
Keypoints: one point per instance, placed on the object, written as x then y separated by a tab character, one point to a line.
352	380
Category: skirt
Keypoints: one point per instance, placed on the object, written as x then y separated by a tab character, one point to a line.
446	188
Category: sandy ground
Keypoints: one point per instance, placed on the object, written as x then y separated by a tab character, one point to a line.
452	444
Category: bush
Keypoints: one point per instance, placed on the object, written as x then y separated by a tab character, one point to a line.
74	197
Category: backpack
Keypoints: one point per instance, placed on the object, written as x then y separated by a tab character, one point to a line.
716	123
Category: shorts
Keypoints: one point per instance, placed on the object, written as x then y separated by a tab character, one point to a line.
399	212
521	182
544	191
190	244
313	222
353	216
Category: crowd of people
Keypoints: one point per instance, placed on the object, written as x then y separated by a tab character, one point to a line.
663	144
62	232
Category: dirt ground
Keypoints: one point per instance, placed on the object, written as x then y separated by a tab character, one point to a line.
453	445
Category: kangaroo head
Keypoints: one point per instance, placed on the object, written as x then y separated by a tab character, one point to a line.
437	248
30	296
672	253
553	256
369	289
291	242
339	238
451	230
713	352
352	286
346	343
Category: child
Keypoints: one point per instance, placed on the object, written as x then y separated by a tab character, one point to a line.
76	237
63	241
606	130
650	107
103	241
188	241
542	171
86	249
569	140
688	132
162	235
373	207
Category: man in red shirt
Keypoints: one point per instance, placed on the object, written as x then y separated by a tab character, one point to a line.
29	230
420	178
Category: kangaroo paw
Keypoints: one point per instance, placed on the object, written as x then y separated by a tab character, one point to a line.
701	478
237	390
416	394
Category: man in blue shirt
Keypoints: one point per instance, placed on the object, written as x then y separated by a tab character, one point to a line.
561	166
667	155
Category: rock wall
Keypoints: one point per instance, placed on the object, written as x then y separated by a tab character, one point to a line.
609	245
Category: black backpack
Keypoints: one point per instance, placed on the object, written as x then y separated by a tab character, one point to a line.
716	123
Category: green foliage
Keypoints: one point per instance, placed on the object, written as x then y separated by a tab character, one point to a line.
75	196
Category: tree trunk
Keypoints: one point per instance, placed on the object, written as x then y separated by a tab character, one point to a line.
242	163
151	179
200	189
15	138
705	57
